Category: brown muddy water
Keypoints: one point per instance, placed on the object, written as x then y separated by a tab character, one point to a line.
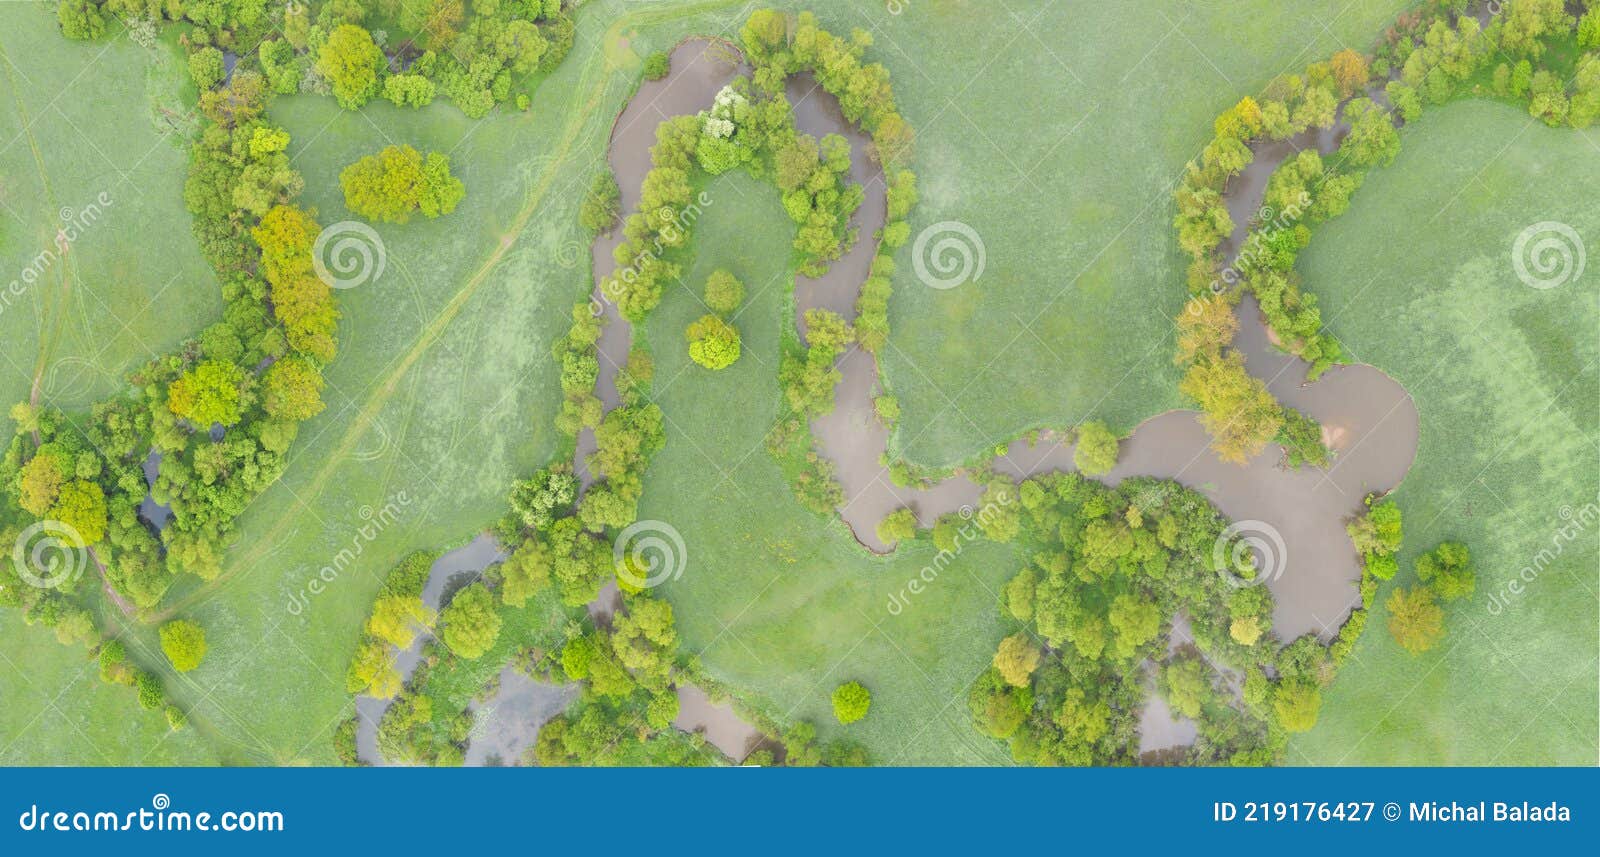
1369	420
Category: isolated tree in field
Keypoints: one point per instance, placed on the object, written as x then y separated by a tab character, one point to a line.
350	60
1016	659
1096	451
1447	569
397	181
851	701
724	293
1296	703
211	392
899	525
1415	620
184	644
713	343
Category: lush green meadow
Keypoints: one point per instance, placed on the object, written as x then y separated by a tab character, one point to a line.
1418	279
781	603
1068	183
81	150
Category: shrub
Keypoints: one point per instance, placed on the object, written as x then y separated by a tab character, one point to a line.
724	293
1096	452
1447	569
657	66
184	644
713	343
851	701
896	526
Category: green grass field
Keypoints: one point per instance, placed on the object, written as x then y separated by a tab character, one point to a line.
81	150
781	603
1418	279
1068	182
444	389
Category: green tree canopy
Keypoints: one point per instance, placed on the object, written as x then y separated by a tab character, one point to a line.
851	701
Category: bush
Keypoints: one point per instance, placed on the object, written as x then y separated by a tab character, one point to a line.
399	180
897	526
150	695
602	204
657	66
724	293
184	644
851	701
713	343
1096	452
1447	569
471	624
1415	620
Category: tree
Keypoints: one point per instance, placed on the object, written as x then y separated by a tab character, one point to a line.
1186	683
1096	451
184	644
1588	30
80	19
713	343
1415	620
206	68
81	505
212	392
1236	407
350	60
1447	569
1372	138
1136	622
899	525
397	181
292	390
1350	71
1296	703
602	204
470	625
724	292
851	701
657	66
1016	659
